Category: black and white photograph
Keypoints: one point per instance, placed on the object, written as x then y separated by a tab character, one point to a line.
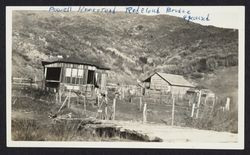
125	76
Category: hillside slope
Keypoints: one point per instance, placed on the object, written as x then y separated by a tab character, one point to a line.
131	45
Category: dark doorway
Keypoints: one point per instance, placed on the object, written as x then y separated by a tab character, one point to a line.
91	77
53	73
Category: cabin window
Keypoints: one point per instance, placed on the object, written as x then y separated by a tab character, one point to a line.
79	78
80	66
74	75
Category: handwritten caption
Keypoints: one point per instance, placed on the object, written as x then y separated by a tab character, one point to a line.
181	12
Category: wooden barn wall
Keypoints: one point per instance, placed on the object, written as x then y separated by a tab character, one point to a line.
179	90
158	83
104	76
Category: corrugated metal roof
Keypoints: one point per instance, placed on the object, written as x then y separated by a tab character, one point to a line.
75	60
175	79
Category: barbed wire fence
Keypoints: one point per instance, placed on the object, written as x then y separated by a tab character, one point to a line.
198	111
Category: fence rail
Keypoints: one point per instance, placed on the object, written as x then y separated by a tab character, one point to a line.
25	81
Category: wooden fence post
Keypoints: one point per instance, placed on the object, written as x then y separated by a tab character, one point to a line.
227	106
173	108
123	93
106	113
69	98
145	113
192	112
140	103
60	96
57	98
106	107
214	100
198	104
35	82
84	104
161	95
114	102
205	102
98	100
106	97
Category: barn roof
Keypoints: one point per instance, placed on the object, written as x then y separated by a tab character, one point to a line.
75	60
173	79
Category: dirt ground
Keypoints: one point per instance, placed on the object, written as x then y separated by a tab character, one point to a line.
175	134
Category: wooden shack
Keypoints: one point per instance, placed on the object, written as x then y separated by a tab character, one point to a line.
75	74
163	82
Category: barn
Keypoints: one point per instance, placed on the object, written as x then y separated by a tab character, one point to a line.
73	73
175	84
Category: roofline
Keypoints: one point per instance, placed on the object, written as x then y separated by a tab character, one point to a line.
174	84
184	86
59	61
159	76
169	82
163	78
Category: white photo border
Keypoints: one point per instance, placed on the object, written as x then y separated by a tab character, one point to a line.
240	10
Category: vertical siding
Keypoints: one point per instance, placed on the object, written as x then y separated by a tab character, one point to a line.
98	79
179	90
103	80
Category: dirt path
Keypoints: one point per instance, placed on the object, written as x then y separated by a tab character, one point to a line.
178	134
152	130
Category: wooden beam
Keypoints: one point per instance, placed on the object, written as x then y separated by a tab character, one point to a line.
62	104
140	103
198	104
86	72
114	103
52	81
192	112
144	113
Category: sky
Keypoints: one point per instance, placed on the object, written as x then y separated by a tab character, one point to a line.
219	16
226	17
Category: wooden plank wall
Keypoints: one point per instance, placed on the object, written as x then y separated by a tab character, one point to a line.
179	90
101	74
158	83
